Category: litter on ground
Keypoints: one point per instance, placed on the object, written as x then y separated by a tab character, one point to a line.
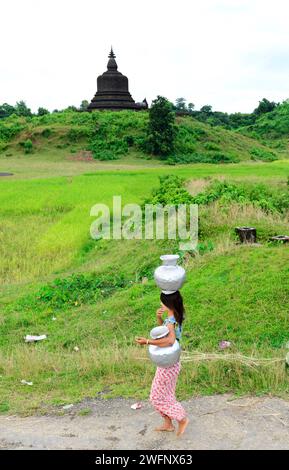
31	338
24	382
224	344
67	407
136	406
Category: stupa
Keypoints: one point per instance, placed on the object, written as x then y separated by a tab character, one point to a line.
112	90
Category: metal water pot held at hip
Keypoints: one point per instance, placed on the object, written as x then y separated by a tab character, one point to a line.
163	356
169	277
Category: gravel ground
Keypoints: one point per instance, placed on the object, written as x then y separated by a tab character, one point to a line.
216	422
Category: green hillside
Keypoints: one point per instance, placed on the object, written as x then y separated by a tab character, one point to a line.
272	129
112	135
273	125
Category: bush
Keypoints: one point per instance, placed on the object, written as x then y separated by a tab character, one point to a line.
268	199
110	149
261	154
223	158
172	191
46	132
3	146
112	133
78	289
202	158
130	140
77	134
272	125
211	146
105	155
185	141
28	146
9	128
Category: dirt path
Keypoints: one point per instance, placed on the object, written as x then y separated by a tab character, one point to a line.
218	422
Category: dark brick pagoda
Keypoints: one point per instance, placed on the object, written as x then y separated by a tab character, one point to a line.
112	90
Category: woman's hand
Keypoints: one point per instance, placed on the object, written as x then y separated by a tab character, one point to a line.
141	341
160	312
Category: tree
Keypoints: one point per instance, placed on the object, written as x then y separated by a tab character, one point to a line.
6	110
71	108
206	109
191	107
83	106
22	110
161	129
265	106
42	111
28	146
181	104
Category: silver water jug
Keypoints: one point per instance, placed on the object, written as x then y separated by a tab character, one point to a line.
163	356
169	277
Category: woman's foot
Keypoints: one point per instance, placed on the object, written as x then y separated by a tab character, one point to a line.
167	426
182	426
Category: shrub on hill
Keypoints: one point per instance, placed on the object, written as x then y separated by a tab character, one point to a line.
270	200
216	157
173	191
113	133
264	155
79	288
170	191
272	125
10	128
77	134
28	146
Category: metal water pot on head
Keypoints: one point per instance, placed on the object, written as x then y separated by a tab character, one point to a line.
169	277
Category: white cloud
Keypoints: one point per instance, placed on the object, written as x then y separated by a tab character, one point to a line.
227	53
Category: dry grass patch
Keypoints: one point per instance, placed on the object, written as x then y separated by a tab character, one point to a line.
197	186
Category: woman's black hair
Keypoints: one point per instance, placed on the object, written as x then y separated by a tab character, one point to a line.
174	302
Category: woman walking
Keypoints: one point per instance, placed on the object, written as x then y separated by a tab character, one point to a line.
163	388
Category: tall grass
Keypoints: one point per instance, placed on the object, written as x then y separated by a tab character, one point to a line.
59	378
219	220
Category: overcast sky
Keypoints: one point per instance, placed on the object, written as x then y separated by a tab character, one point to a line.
226	53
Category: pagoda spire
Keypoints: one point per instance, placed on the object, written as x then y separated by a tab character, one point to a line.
111	65
111	54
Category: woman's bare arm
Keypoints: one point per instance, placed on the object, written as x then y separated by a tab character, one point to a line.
167	340
160	320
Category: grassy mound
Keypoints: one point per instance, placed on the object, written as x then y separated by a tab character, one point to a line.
110	135
273	125
271	129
